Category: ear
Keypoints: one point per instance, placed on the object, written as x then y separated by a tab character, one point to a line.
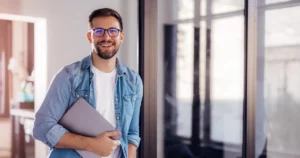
89	36
121	37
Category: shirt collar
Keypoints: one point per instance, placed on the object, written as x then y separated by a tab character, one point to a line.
87	62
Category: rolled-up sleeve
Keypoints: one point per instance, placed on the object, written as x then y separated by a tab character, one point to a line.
52	109
134	133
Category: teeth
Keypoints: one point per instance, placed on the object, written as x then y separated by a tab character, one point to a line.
106	45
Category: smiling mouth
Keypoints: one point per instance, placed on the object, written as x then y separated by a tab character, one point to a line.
105	45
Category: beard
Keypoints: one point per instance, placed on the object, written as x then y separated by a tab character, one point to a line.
106	54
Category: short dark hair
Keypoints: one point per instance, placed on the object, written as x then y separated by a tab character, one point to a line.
105	12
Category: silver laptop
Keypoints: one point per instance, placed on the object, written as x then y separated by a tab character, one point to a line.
84	120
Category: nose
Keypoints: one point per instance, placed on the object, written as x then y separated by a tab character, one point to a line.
106	36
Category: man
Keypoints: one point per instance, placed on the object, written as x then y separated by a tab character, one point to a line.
112	89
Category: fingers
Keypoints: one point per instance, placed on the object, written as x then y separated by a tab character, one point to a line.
117	142
112	134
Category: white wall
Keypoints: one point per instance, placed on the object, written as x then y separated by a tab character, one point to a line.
67	24
129	50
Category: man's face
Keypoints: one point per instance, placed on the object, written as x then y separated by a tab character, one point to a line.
105	36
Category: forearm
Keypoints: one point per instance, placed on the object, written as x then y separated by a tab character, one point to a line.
74	141
131	150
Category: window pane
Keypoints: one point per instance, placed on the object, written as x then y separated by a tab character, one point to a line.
185	9
184	91
227	80
278	83
221	6
202	71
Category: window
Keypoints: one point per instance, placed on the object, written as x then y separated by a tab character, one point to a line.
203	110
218	61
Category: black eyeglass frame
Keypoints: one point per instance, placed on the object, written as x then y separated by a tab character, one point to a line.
106	30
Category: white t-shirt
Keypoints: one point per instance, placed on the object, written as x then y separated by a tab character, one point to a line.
104	84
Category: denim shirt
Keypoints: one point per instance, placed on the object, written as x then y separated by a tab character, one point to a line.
75	81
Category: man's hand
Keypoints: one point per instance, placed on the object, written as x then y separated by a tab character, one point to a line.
103	144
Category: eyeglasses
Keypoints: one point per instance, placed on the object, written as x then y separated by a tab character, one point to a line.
112	32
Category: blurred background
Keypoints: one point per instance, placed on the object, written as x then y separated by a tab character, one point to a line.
220	76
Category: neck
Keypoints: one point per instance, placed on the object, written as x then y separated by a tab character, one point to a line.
102	64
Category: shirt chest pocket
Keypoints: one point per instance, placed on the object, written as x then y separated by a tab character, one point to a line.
128	103
76	94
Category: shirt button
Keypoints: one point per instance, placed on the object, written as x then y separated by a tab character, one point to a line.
118	118
77	96
86	95
116	99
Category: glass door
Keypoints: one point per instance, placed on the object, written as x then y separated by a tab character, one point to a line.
203	78
221	78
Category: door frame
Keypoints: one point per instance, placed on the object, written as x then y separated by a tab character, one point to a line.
147	12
